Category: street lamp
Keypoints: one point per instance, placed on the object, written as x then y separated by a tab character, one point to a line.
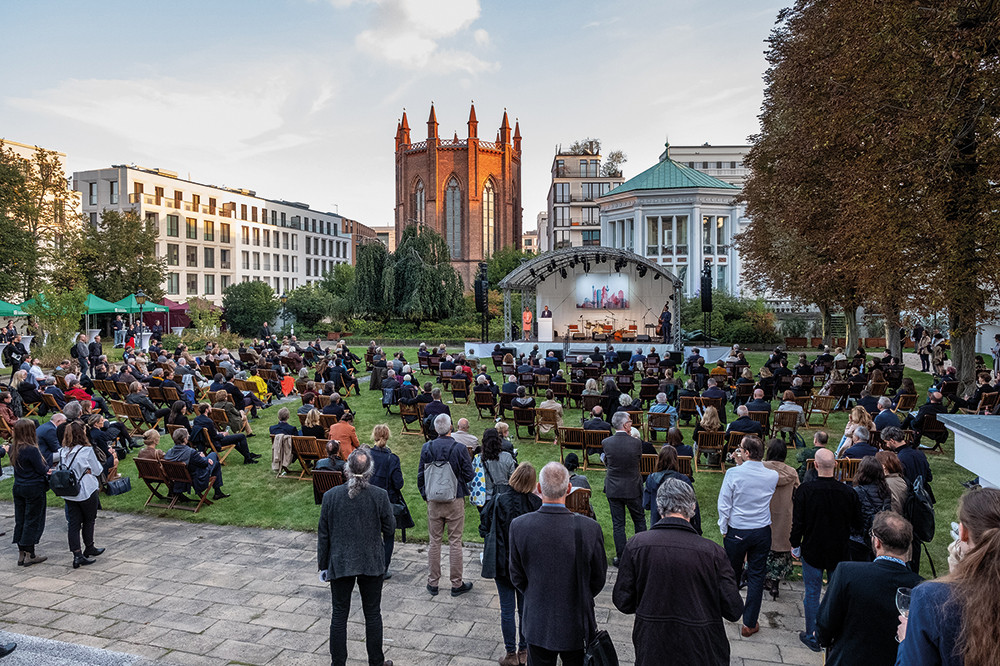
140	298
284	316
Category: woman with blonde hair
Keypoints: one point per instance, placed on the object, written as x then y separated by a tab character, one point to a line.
313	426
709	422
389	477
859	417
151	440
590	388
27	389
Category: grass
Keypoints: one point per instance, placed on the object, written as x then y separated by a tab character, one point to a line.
260	500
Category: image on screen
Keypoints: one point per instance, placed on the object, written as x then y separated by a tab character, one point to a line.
602	292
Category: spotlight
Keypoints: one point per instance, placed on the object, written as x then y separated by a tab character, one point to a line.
586	267
532	271
563	273
656	276
642	271
552	266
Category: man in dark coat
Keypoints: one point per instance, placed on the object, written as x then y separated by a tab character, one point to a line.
363	511
745	424
201	467
858	615
551	551
759	404
623	483
679	585
934	405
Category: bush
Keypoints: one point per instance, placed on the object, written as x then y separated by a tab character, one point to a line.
794	327
248	305
733	319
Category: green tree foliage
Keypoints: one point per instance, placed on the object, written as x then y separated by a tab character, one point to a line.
420	283
613	161
341	284
120	256
17	252
369	283
205	319
733	319
310	304
248	305
503	262
58	313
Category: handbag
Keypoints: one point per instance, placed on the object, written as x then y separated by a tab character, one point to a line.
477	487
119	486
599	649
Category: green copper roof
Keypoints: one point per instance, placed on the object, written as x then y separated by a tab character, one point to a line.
670	175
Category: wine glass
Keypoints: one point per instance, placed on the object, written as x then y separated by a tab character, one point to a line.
903	601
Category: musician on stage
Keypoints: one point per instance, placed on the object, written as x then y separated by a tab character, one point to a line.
665	323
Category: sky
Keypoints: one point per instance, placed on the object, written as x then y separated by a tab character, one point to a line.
299	99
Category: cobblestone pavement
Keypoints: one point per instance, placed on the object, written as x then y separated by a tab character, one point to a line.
182	593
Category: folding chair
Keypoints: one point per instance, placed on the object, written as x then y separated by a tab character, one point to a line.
409	411
572	439
684	465
593	443
459	388
546	417
578	501
763	418
647	393
823	405
786	422
307	451
505	403
221	450
906	402
647	464
323	480
588	402
986	404
714	443
524	417
177	472
151	472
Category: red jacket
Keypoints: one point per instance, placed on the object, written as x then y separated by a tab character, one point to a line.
80	395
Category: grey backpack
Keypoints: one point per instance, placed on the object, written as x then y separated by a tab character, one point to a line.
440	482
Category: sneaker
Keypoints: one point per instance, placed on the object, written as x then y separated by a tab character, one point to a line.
461	589
433	589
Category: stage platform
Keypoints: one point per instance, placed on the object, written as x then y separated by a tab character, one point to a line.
565	347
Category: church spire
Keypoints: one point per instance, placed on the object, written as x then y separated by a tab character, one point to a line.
505	129
517	136
404	127
473	122
432	124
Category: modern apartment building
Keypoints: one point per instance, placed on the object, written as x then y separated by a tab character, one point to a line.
387	236
572	216
214	236
529	242
722	162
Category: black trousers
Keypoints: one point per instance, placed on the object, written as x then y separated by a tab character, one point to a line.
81	516
240	440
370	588
539	656
618	506
29	515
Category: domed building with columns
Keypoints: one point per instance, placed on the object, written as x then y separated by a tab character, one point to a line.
467	189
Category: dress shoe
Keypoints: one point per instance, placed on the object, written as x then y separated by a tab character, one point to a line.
614	562
809	641
79	560
90	551
509	659
30	558
219	495
433	589
461	589
747	632
522	657
7	648
20	557
251	461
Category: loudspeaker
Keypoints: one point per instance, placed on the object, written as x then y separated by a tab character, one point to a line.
482	291
643	338
706	293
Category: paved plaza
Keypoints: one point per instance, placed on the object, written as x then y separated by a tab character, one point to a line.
174	592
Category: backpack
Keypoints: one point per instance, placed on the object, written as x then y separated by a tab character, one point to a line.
73	352
919	510
63	480
440	482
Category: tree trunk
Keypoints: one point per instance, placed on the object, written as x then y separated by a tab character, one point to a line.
825	323
894	341
963	353
851	322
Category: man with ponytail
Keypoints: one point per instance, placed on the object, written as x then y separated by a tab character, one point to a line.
953	619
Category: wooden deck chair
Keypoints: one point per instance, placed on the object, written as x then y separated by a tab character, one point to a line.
571	439
936	431
846	469
647	464
133	419
592	445
155	394
527	380
458	388
986	404
322	401
658	422
578	501
6	432
323	480
878	388
546	417
905	403
839	390
687	407
151	472
763	418
505	403
307	450
576	392
684	465
786	422
822	405
177	472
714	443
805	402
560	391
424	365
327	420
733	439
524	417
51	403
639	423
588	402
171	428
647	394
221	450
409	411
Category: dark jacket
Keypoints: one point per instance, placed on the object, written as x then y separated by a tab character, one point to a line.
546	566
886	418
933	627
622	453
146	406
859	450
367	517
680	587
388	476
824	513
446	448
31	470
858	615
283	428
597	424
506	505
199	467
925	409
48	440
653	483
747	425
914	464
759	406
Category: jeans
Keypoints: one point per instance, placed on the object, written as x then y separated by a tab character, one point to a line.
370	588
119	337
29	515
618	506
84	366
511	602
440	514
240	441
925	363
539	656
82	516
388	545
754	545
813	579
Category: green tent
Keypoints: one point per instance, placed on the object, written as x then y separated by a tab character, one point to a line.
132	306
97	305
11	310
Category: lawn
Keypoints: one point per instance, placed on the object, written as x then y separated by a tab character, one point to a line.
261	500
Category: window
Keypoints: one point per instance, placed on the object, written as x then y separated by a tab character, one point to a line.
246	234
192	256
225	282
592	237
93	219
720	278
713	231
225	260
253	213
718	165
653	235
192	228
173	254
284	263
681	234
246	260
704	165
256	237
732	165
192	283
277	263
419	202
308	268
209	257
256	261
489	219
583	168
590	215
173	283
173	226
114	192
224	233
560	216
93	193
560	239
295	264
209	230
453	218
267	261
561	193
243	211
295	242
267	238
209	284
284	237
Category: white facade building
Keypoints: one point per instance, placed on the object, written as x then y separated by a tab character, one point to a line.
214	236
722	162
680	218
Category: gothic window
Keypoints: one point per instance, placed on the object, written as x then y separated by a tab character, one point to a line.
453	218
489	219
418	202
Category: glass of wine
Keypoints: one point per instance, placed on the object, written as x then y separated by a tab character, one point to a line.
903	601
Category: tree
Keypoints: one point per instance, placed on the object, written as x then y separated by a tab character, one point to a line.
120	256
205	319
369	283
613	161
586	146
58	313
310	304
420	282
503	261
248	305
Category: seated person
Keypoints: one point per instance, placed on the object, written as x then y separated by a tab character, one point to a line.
27	387
458	393
204	426
596	420
332	462
719	371
869	402
524	401
337	406
798	388
745	424
308	403
150	440
344	432
675	438
237	418
661	406
483	387
313	426
860	446
202	467
283	427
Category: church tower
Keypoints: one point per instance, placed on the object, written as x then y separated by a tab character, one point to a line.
468	190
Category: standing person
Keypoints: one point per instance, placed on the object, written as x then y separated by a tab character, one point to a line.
745	522
679	585
517	500
526	318
442	477
82	354
389	477
553	551
924	351
119	328
858	614
824	513
361	510
623	482
665	323
875	496
779	560
996	355
81	509
30	485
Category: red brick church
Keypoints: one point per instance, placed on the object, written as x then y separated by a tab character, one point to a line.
468	190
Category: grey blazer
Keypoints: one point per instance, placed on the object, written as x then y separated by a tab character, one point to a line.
621	455
367	519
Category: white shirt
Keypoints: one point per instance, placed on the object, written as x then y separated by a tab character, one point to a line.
36	372
745	497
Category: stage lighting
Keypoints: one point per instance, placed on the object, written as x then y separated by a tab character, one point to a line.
642	271
532	271
656	276
552	266
586	267
563	273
